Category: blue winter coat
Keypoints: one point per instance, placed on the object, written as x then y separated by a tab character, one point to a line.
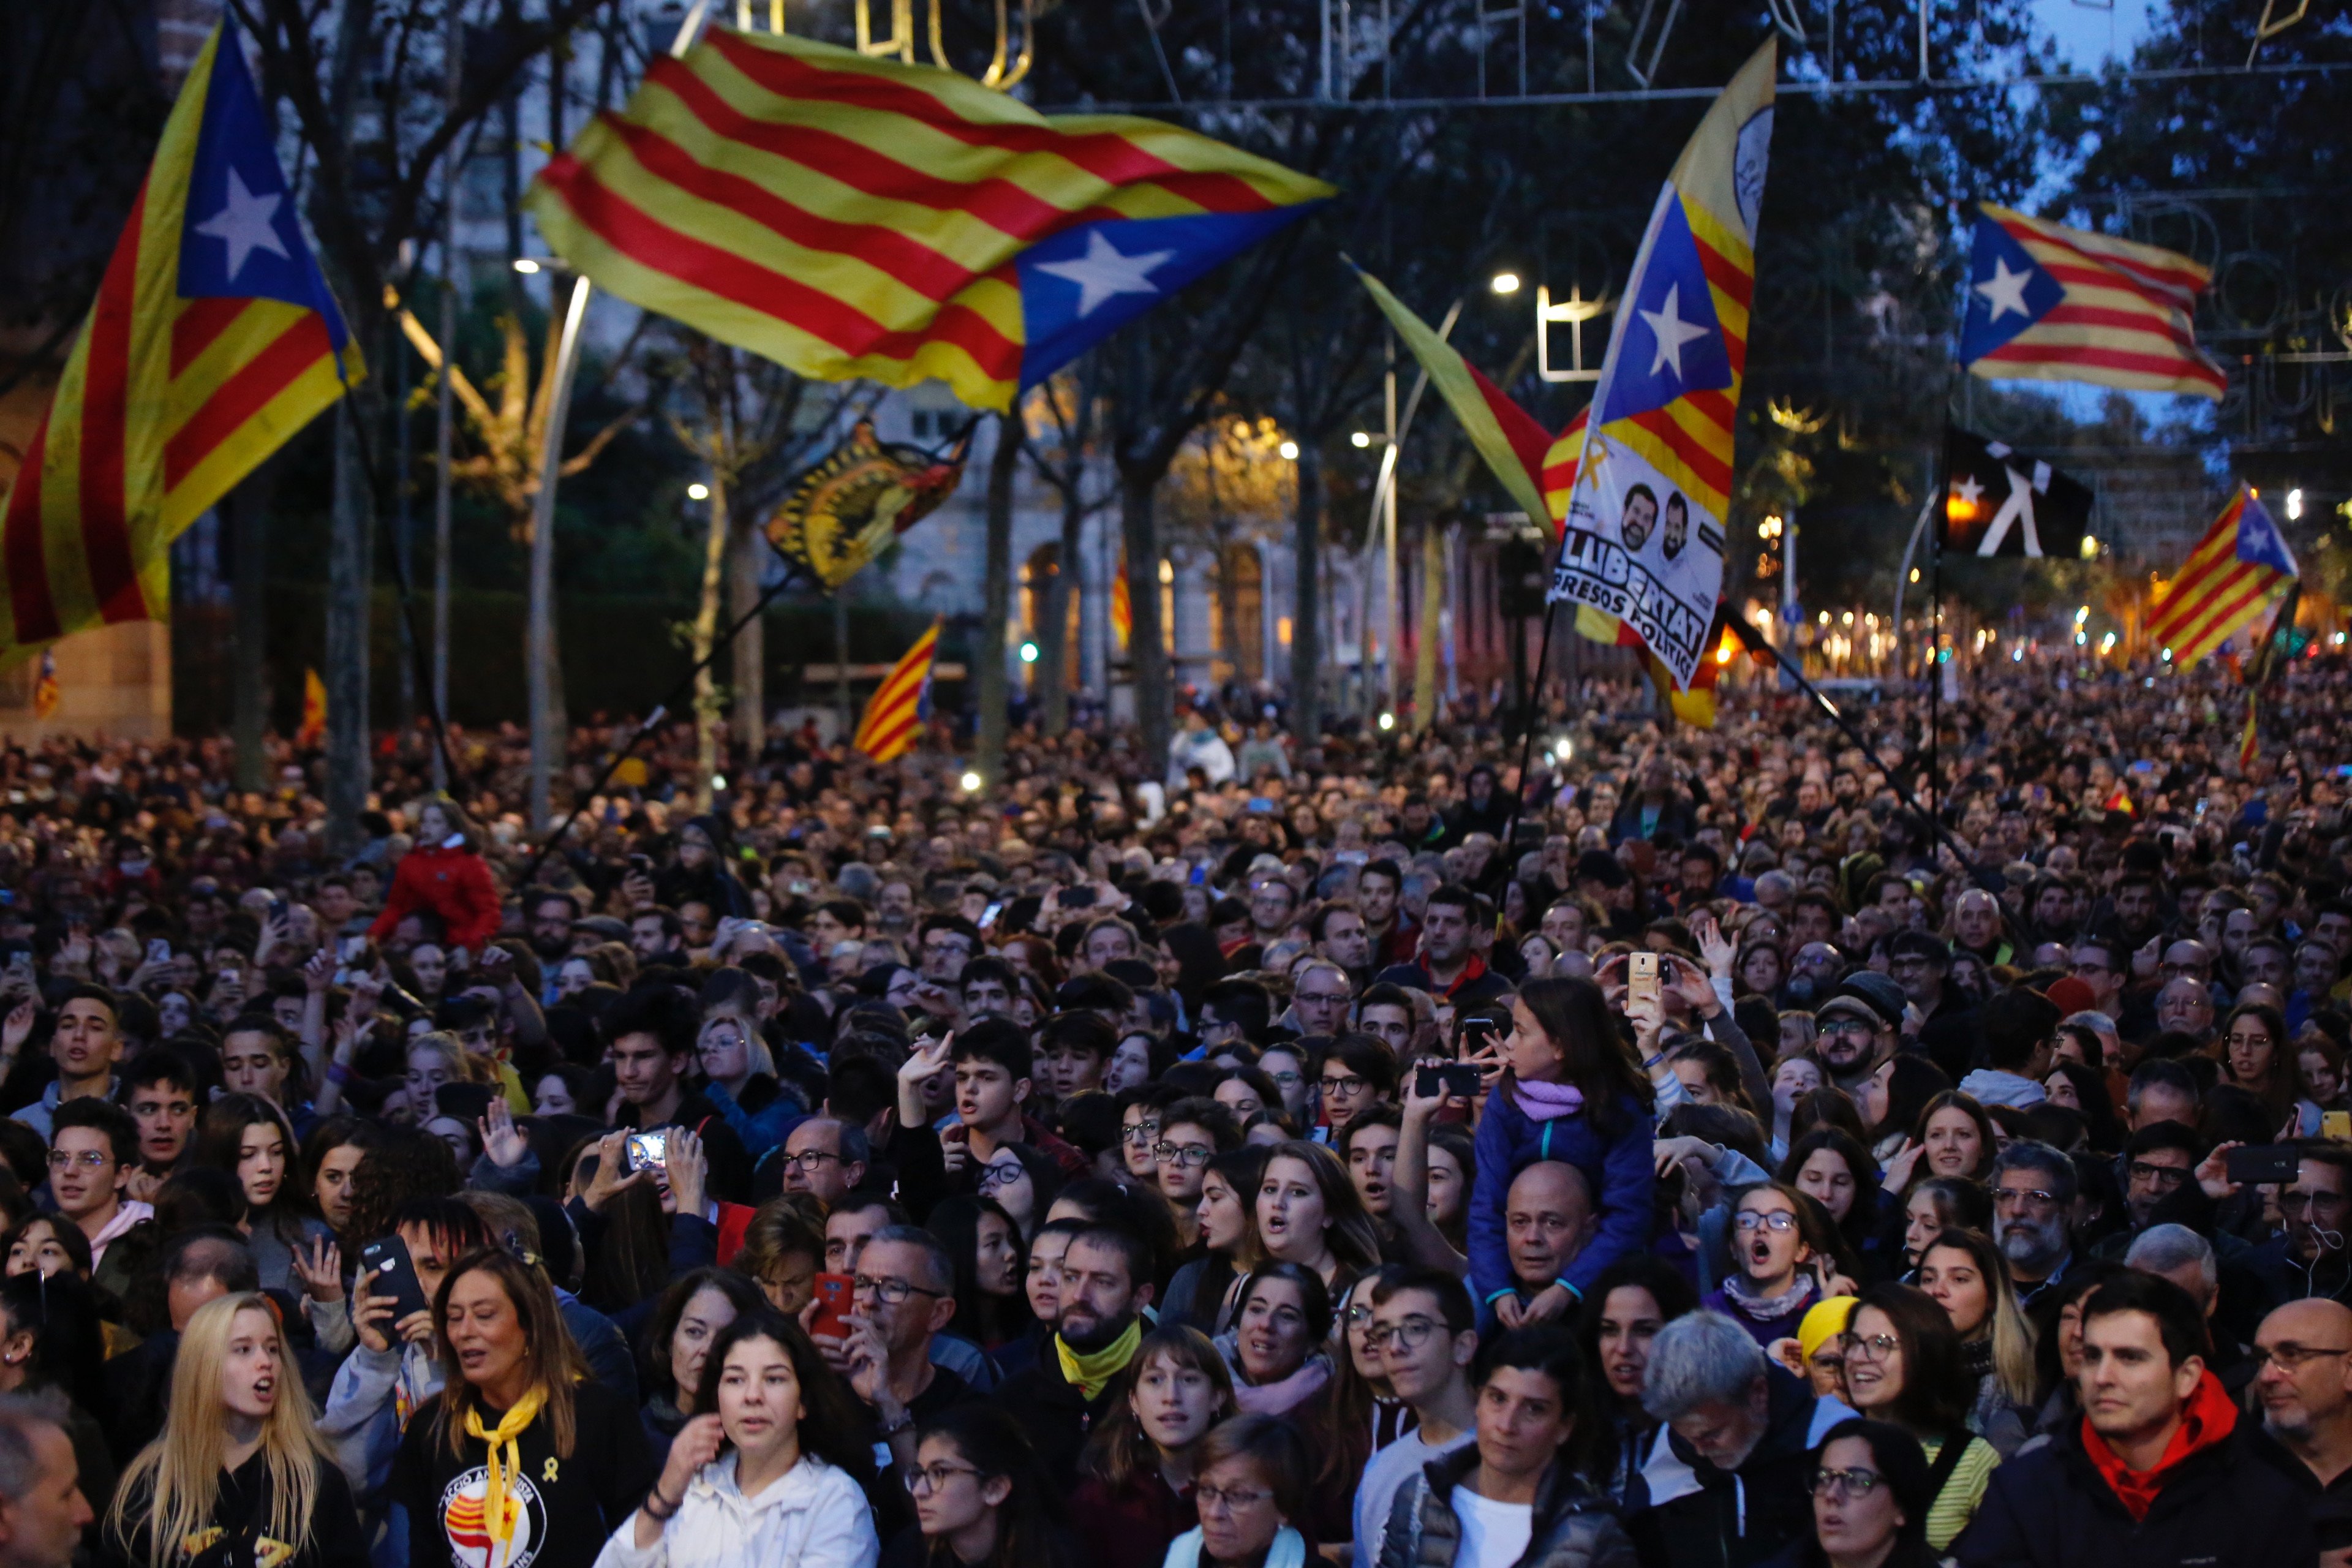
1620	1172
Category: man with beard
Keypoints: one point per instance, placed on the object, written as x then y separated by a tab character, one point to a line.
2307	1258
2051	913
2135	910
1857	1026
2033	1188
549	913
1106	1283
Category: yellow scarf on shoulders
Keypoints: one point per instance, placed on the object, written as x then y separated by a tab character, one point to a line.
1088	1373
498	1511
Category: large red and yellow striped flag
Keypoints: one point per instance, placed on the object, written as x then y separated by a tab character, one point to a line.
213	340
847	217
1642	542
2225	583
894	713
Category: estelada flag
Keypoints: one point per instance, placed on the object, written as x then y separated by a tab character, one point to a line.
1122	604
847	217
894	713
47	693
1998	501
2226	581
314	711
213	340
2051	303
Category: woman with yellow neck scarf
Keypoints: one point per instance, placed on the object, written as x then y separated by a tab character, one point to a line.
523	1459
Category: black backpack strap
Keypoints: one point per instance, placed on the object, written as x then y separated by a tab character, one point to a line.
1948	1459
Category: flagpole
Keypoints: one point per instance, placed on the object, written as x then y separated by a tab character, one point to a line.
719	646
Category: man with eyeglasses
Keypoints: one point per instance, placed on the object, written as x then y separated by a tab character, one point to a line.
2105	967
1319	994
1857	1034
2308	1257
902	1293
2304	1389
944	944
2183	1007
825	1158
1354	1073
2159	1162
92	1153
1423	1337
2156	1472
2033	1188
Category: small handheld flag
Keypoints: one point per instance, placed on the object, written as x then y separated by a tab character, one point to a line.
47	693
213	340
848	216
897	707
314	711
2052	303
1998	501
2224	583
1643	539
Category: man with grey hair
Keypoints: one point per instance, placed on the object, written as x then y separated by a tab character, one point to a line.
42	1511
1726	1479
901	1294
2033	1188
2177	1253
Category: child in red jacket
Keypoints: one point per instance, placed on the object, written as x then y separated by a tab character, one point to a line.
445	874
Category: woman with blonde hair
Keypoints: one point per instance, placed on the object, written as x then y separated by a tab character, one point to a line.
1964	1272
240	1473
524	1457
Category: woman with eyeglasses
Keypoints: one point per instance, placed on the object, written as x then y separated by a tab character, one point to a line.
1024	1183
738	1076
1784	1258
688	1319
1965	1274
1135	1476
1251	1486
1281	1316
2257	1058
980	1500
771	1472
1904	1365
1200	1295
1871	1493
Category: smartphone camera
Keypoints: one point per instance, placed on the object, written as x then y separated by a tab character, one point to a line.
647	1151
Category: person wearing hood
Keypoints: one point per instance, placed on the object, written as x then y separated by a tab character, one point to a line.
1486	807
2156	1472
1728	1478
700	872
446	876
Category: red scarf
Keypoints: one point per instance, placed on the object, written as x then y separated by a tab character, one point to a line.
2208	1418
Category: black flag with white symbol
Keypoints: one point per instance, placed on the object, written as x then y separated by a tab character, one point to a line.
1998	501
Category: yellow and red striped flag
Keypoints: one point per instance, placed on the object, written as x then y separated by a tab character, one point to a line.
2051	303
2224	585
314	711
1644	538
847	217
894	713
213	340
46	692
1122	604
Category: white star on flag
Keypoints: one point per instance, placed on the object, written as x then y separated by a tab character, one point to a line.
2005	291
244	223
1672	331
1967	491
1105	271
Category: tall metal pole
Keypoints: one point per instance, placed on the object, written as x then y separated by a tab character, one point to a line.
444	409
546	745
1388	621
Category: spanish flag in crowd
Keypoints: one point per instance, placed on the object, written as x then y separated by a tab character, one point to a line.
2227	581
896	711
314	711
847	217
213	340
47	693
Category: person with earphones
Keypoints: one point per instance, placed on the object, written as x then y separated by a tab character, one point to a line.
2309	1258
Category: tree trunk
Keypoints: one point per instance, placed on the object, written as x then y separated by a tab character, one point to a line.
996	591
1147	647
1432	610
247	509
351	557
1057	655
1307	612
706	632
750	564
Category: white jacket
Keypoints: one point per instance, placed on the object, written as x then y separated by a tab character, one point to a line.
813	1518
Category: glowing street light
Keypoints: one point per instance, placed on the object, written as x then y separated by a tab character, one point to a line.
970	782
1360	440
2295	506
1506	283
1388	720
1289	450
697	491
1028	653
526	265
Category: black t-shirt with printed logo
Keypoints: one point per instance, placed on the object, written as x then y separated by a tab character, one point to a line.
563	1509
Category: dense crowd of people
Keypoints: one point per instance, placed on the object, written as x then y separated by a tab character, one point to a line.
1732	1147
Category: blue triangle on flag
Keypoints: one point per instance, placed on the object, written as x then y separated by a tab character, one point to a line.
1672	340
2009	291
2259	543
240	239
